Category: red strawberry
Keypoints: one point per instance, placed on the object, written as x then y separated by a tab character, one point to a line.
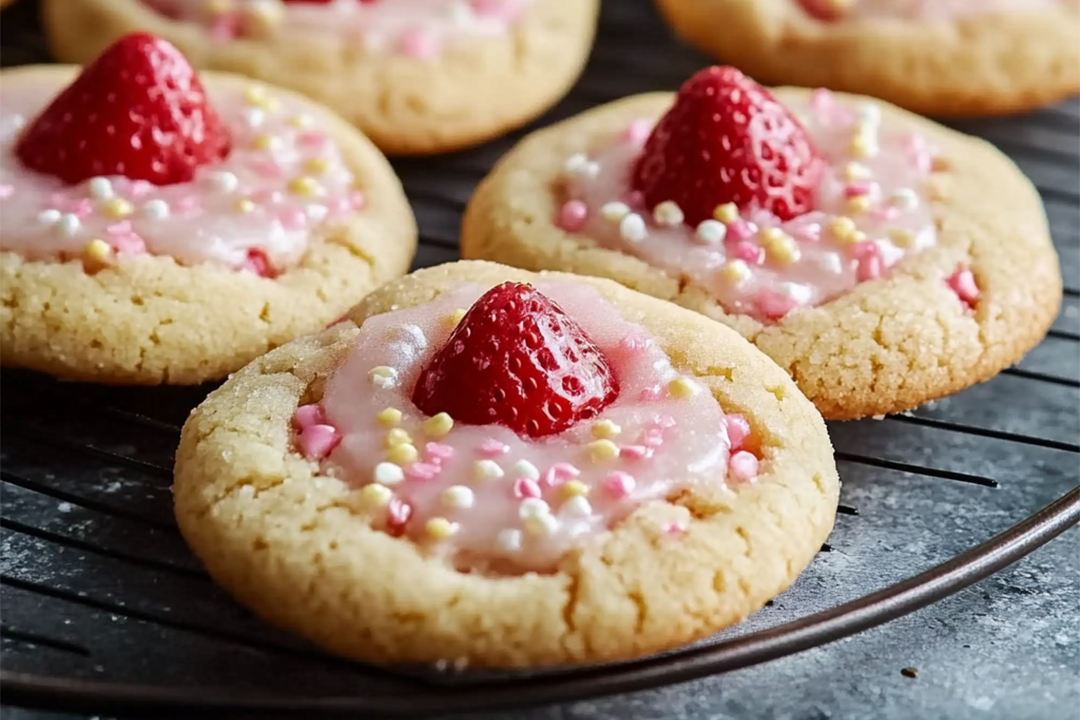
823	9
137	111
727	139
516	359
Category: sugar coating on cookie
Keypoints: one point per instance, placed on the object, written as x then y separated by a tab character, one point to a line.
871	210
417	28
487	499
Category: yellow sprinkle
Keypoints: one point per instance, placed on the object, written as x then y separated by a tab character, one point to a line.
574	488
858	237
397	436
902	238
317	165
842	228
783	250
376	496
389	418
219	7
682	388
98	250
306	186
117	208
302	120
243	205
772	234
601	450
864	147
726	213
858	204
258	96
455	317
265	142
605	429
402	454
440	528
438	425
856	171
735	271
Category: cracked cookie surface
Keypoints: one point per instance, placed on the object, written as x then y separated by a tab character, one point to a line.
885	346
299	549
147	320
968	64
406	105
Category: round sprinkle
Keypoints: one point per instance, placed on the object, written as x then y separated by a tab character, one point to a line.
68	224
614	212
542	525
864	147
101	188
783	249
532	507
487	470
735	271
383	376
376	496
854	171
387	473
266	142
580	165
668	213
254	117
305	186
870	113
711	232
222	181
858	204
602	450
389	418
440	528
243	205
683	388
726	213
619	484
573	215
156	209
632	228
402	454
48	217
525	469
904	199
573	488
605	429
508	540
743	465
317	165
458	496
98	250
118	208
577	506
902	238
301	121
397	436
258	96
455	317
843	228
438	425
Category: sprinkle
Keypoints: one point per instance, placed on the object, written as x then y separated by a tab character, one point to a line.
317	441
266	142
902	238
493	448
389	418
301	121
843	229
573	215
726	213
638	131
388	473
614	212
156	209
48	217
574	487
682	388
864	147
317	165
665	421
577	506
653	438
868	267
422	471
580	165
309	415
780	247
542	525
739	229
254	117
376	496
419	44
402	454
526	488
619	484
100	188
305	186
222	181
869	113
735	271
605	429
674	528
438	425
904	199
98	250
258	96
68	224
859	188
508	540
487	470
559	473
436	453
748	252
822	100
525	469
634	342
117	208
317	212
398	513
632	228
668	213
711	232
743	466
6	190
636	452
602	450
962	282
440	528
532	507
738	429
854	171
459	496
398	436
383	377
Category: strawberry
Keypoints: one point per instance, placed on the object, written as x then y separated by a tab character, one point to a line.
827	10
727	139
516	359
138	111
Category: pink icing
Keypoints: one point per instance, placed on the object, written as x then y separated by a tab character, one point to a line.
419	28
254	211
487	499
923	9
872	210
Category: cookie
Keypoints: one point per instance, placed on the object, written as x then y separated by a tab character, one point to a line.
945	58
430	76
879	258
597	522
215	226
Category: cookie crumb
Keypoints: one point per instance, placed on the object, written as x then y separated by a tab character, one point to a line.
909	672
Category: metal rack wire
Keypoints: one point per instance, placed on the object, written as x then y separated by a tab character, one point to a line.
104	608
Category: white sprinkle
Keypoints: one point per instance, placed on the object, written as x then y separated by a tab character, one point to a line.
668	213
578	506
458	496
525	469
508	540
579	164
48	217
796	291
632	228
414	334
317	212
223	181
68	224
383	377
831	262
531	507
254	116
387	473
711	232
487	470
905	198
101	188
156	209
64	507
17	121
543	525
614	212
460	12
870	113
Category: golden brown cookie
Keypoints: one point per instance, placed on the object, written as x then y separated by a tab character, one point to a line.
466	93
884	346
964	63
299	547
146	319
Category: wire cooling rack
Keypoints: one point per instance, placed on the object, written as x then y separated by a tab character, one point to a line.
105	610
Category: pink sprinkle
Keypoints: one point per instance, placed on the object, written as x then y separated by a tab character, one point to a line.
225	27
436	453
318	440
748	252
526	488
868	268
919	152
867	248
6	191
422	471
493	448
398	513
739	229
774	305
885	214
810	232
340	207
858	188
259	263
743	466
666	421
293	219
619	484
634	342
83	209
651	394
962	282
572	215
674	528
559	473
267	168
653	438
141	188
738	429
504	10
418	44
267	197
636	452
130	244
822	101
638	131
186	203
313	138
357	200
309	415
121	228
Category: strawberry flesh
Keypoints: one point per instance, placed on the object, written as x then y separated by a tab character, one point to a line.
516	359
138	111
727	139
